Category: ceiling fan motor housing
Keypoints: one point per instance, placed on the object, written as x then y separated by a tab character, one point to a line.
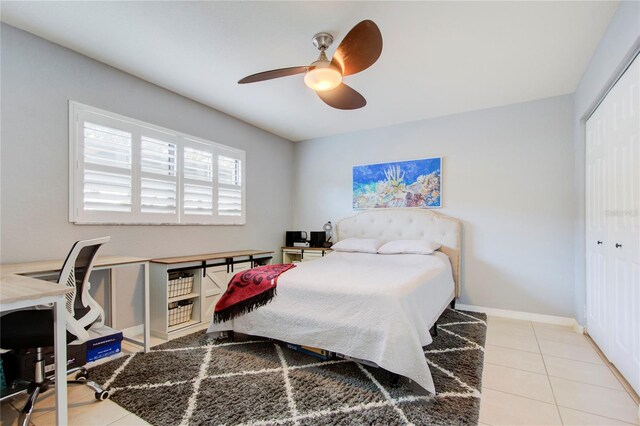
322	41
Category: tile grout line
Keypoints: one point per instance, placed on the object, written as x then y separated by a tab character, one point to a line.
126	415
624	389
588	384
623	382
574	381
561	378
70	406
547	371
512	334
38	411
526	397
571	359
597	415
558	406
519	369
514	368
514	349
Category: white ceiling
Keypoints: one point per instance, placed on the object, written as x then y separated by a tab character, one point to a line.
439	58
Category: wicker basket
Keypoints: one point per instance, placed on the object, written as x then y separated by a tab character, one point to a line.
180	312
180	284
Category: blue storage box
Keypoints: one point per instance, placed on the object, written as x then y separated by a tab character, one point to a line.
104	342
103	351
316	352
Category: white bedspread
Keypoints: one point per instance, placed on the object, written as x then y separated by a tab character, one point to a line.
369	306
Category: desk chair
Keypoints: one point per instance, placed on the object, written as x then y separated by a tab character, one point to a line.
34	328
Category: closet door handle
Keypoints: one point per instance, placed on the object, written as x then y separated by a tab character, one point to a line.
618	245
599	242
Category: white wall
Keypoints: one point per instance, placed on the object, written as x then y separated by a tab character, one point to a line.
38	79
508	175
618	46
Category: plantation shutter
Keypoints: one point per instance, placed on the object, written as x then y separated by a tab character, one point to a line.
158	177
197	175
229	186
106	180
124	171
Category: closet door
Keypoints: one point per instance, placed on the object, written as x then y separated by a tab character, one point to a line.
623	152
598	130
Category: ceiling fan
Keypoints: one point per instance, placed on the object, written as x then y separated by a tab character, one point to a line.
360	49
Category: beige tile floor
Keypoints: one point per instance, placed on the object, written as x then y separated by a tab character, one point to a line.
534	374
541	374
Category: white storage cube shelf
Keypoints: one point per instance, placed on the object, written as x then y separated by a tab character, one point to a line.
184	295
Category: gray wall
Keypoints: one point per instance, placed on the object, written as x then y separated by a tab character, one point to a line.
618	46
514	175
508	175
38	78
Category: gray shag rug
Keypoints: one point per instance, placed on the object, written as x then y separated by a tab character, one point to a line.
197	380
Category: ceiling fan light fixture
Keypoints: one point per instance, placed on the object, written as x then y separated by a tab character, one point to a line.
322	77
359	49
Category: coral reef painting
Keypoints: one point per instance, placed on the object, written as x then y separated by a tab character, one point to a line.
413	183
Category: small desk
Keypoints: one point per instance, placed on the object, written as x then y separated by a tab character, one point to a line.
33	270
19	292
212	256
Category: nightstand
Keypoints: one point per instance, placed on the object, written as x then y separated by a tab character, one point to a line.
303	254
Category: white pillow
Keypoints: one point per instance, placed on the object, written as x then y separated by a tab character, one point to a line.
409	247
362	245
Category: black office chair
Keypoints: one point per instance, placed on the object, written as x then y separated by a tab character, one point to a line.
34	328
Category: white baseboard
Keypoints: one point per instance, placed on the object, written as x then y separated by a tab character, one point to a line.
525	316
136	330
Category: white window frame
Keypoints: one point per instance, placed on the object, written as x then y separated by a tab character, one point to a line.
78	113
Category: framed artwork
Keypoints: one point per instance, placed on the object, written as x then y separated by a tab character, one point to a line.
413	183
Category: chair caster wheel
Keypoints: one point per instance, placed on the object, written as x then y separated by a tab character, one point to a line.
101	396
82	375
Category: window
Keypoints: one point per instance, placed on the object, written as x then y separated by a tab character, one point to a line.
123	171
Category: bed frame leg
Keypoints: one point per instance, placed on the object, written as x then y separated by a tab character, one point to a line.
453	304
394	379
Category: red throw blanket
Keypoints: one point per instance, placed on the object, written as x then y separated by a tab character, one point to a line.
249	290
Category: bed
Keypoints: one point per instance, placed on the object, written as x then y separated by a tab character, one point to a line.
373	307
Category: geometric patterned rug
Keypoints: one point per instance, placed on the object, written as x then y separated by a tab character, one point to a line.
197	380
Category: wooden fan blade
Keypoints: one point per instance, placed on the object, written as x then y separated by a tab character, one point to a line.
343	97
268	75
360	48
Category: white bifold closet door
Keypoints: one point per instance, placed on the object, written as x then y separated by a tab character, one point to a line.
613	225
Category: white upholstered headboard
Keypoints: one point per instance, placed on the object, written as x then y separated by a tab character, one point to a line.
407	224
